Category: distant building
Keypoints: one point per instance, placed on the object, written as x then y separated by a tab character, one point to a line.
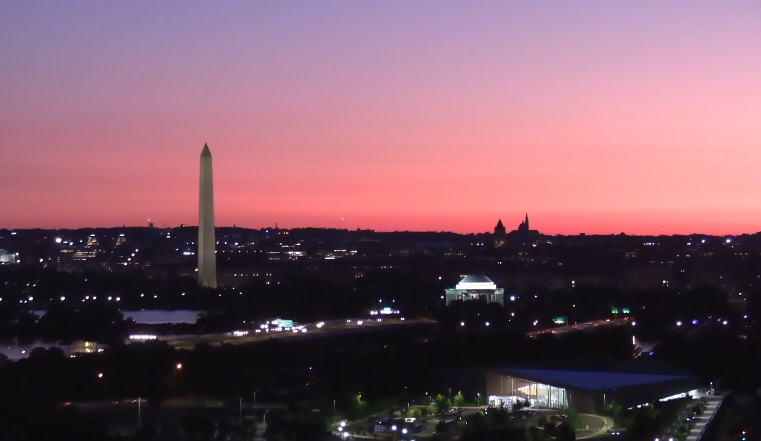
499	235
476	287
523	227
92	241
7	258
523	234
585	391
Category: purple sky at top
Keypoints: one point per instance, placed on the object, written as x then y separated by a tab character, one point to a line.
592	116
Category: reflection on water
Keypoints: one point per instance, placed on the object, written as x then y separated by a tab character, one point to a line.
145	316
155	316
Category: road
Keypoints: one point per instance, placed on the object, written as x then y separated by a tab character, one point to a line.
583	326
328	328
345	326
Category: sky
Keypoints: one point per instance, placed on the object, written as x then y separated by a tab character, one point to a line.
592	116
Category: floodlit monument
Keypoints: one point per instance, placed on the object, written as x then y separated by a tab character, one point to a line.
207	259
476	287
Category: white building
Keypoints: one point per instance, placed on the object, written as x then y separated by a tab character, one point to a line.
476	287
8	258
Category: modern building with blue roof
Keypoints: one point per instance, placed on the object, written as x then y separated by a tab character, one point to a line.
583	390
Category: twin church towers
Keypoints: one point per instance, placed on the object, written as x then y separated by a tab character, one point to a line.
207	257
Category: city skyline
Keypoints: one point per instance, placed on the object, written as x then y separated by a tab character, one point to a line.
597	118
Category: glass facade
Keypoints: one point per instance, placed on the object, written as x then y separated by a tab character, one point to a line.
539	395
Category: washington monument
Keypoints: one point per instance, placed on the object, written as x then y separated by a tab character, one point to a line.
207	259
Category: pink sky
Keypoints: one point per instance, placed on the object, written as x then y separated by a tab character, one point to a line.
594	116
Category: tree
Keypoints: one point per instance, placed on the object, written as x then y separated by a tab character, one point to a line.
416	413
459	399
443	402
496	417
442	427
573	420
565	432
534	434
434	409
615	411
550	430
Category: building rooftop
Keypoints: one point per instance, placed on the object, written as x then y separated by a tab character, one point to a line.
590	380
476	281
476	278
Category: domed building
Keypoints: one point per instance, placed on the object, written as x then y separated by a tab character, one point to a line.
476	287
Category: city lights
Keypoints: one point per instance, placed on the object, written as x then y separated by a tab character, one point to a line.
142	337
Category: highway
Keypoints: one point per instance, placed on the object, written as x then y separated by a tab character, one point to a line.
582	326
346	326
327	328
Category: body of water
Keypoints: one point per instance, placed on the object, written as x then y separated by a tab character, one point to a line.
144	316
155	316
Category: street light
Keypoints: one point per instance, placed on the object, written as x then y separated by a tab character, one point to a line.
479	399
100	374
179	366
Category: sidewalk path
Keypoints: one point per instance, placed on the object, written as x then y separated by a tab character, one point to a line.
711	407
